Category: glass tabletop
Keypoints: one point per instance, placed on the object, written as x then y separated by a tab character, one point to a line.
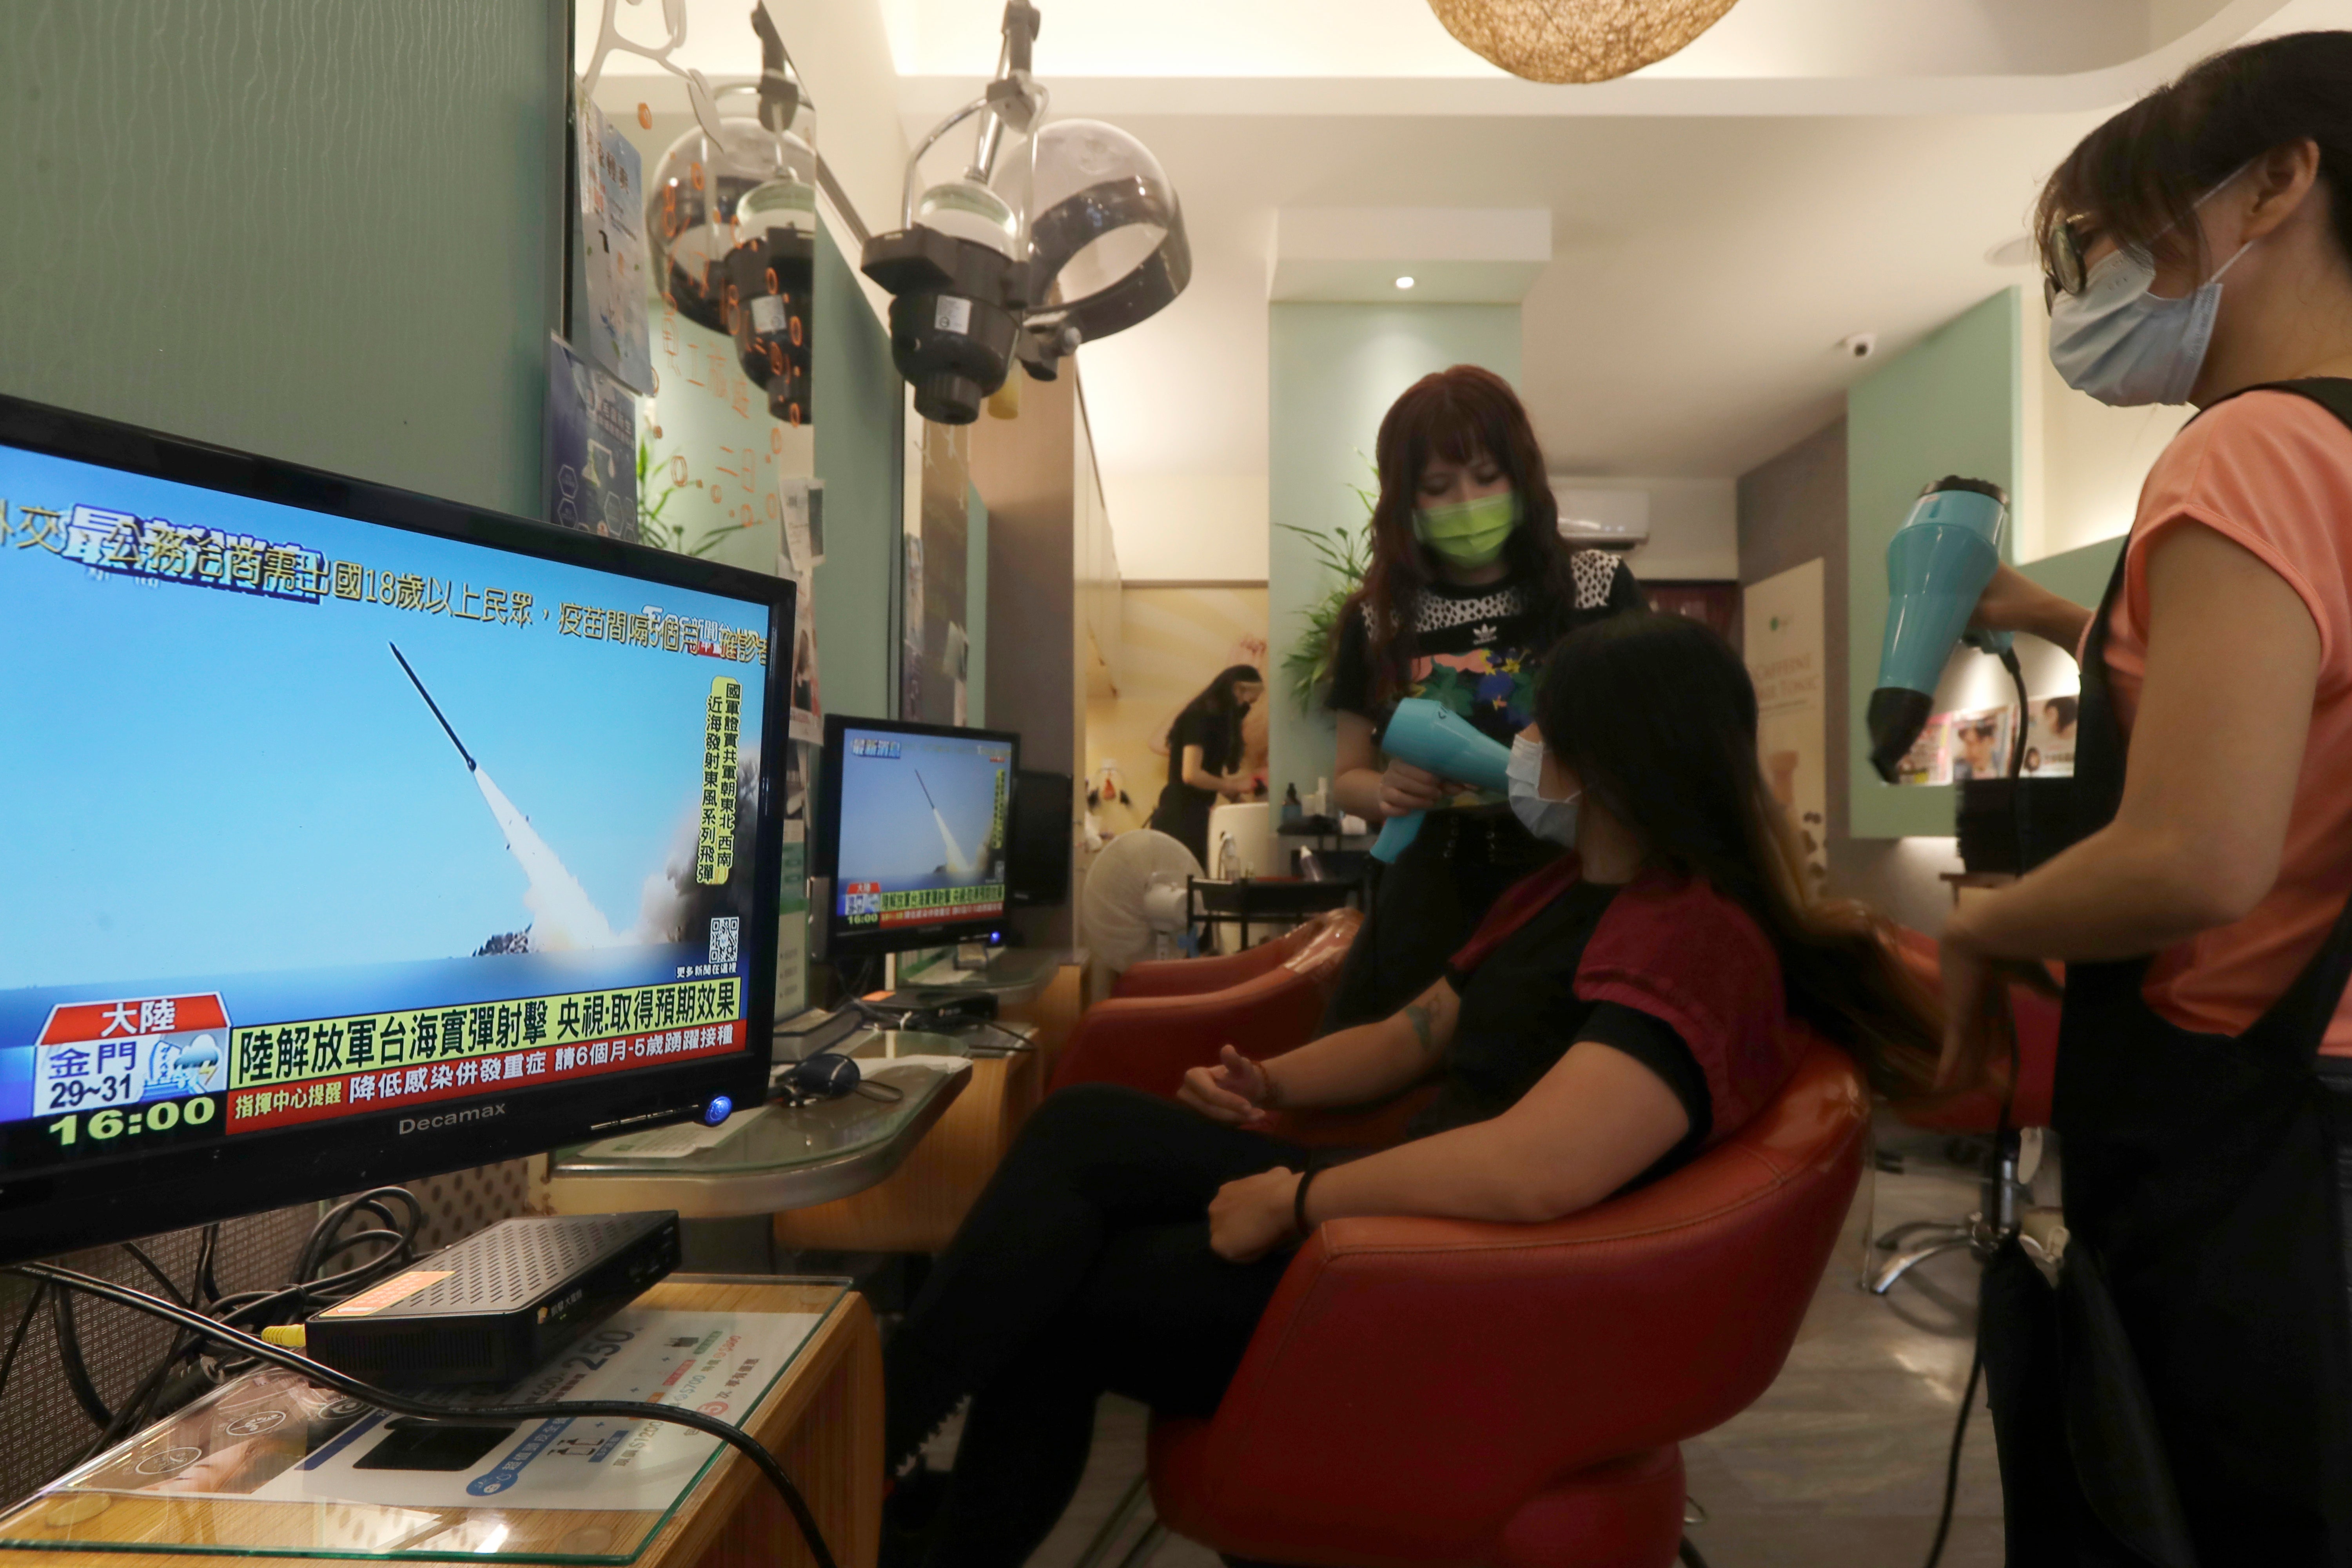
916	1066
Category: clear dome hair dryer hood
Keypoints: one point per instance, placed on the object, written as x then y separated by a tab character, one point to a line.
1050	237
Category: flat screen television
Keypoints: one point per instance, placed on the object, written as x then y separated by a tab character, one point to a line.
351	836
910	835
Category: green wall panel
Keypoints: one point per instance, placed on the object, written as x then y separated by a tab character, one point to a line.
1334	369
860	406
2078	574
328	231
1951	405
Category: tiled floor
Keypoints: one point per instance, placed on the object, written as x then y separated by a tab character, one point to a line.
1840	1465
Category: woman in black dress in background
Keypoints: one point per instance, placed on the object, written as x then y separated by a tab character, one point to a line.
1204	758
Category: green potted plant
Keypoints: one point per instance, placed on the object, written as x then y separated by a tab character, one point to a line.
1347	554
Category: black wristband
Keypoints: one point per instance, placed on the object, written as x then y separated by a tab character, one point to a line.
1298	1204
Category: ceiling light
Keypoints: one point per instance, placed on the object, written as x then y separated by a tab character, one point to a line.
1577	40
1405	282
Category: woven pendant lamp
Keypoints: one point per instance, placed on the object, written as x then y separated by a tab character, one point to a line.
1577	40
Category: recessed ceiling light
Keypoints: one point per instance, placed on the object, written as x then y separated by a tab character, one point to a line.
1405	282
2017	252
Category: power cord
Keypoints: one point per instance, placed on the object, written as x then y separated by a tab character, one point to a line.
209	1330
1952	1460
2007	1017
181	1374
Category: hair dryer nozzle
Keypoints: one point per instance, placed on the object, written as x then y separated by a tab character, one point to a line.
1897	716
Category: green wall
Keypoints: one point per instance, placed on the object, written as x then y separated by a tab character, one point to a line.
328	231
860	407
1334	369
1952	405
2079	574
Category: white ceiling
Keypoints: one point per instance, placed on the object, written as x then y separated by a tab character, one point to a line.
1807	170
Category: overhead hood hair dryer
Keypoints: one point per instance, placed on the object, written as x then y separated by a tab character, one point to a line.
1937	566
1432	736
1047	238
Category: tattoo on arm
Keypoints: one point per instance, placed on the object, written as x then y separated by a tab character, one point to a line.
1423	1017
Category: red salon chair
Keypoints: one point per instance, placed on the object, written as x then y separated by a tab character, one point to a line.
1440	1391
1165	1017
1979	1112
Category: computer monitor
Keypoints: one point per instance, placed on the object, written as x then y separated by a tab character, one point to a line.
910	835
348	836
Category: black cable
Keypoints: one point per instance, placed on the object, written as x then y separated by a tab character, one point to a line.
2007	1016
140	1257
148	1400
67	1281
2024	711
16	1340
1952	1461
70	1361
204	1287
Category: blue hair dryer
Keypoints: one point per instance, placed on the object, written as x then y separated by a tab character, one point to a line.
1937	566
1429	735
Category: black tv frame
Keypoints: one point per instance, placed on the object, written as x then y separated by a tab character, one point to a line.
85	1201
831	942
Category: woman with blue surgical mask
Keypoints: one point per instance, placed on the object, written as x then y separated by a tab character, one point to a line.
2199	249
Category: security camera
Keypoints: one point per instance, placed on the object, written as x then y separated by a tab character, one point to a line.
1860	345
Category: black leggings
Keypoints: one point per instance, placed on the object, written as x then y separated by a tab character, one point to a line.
1085	1267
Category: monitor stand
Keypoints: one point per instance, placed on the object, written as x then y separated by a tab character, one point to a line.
1012	974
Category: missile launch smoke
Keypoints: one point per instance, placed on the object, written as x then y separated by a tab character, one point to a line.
957	866
563	915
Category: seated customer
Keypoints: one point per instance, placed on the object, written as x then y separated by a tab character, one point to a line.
1618	1011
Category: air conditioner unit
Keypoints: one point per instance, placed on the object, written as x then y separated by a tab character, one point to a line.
1603	519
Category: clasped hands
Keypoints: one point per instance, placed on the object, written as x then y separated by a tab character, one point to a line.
1249	1218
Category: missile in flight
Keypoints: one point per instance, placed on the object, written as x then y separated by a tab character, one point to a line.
471	766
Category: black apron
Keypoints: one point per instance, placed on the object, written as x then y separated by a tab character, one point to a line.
2201	1325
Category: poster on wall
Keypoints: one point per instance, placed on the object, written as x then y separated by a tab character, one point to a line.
2050	737
713	460
612	246
1978	739
911	650
807	713
1784	652
791	927
590	468
937	554
1929	759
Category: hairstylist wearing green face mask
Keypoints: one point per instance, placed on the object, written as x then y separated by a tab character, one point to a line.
1470	586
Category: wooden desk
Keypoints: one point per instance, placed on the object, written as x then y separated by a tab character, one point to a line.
823	1419
1053	1012
918	1206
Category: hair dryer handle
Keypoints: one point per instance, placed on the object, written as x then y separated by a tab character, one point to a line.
1396	837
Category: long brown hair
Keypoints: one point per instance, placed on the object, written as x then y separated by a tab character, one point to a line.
2138	178
1657	716
1455	414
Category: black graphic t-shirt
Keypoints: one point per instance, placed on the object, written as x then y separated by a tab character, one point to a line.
1477	650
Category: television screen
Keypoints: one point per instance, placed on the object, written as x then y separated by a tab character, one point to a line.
357	839
912	831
